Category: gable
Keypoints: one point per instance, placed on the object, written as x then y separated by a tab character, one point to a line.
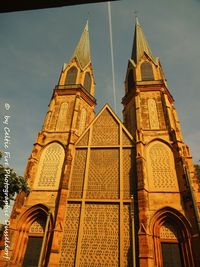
100	187
106	130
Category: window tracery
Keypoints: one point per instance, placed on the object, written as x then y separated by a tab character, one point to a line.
50	166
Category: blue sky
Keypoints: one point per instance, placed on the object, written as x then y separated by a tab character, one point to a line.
35	44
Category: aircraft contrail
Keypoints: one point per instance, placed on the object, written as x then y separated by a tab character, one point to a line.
112	56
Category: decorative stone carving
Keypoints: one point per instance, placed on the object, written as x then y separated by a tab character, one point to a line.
76	187
127	236
37	226
69	242
125	139
84	140
105	130
168	231
100	241
153	115
62	117
127	173
103	178
53	119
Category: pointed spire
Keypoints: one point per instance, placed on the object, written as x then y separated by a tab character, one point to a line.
82	51
140	44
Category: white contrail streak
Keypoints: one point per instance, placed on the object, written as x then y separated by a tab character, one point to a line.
112	56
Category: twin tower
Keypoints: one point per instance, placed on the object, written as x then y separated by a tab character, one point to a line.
103	192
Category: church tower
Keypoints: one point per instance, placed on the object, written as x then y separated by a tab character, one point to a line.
166	188
70	111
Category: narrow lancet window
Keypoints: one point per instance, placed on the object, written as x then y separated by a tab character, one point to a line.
147	72
82	120
130	80
153	114
87	82
71	76
62	117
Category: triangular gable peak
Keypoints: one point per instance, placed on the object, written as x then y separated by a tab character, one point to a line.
145	56
105	130
149	58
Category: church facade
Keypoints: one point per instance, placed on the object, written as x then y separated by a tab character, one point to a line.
107	193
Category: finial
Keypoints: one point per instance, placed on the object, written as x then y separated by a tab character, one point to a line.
87	22
86	26
136	17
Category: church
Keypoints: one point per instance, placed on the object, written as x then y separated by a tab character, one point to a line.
107	193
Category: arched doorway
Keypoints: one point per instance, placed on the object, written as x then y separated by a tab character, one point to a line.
172	239
31	237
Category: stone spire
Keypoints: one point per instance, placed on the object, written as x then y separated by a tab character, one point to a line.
140	44
82	50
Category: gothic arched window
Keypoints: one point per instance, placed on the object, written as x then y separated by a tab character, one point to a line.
161	168
87	82
130	80
71	76
146	72
62	117
50	167
82	120
153	114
